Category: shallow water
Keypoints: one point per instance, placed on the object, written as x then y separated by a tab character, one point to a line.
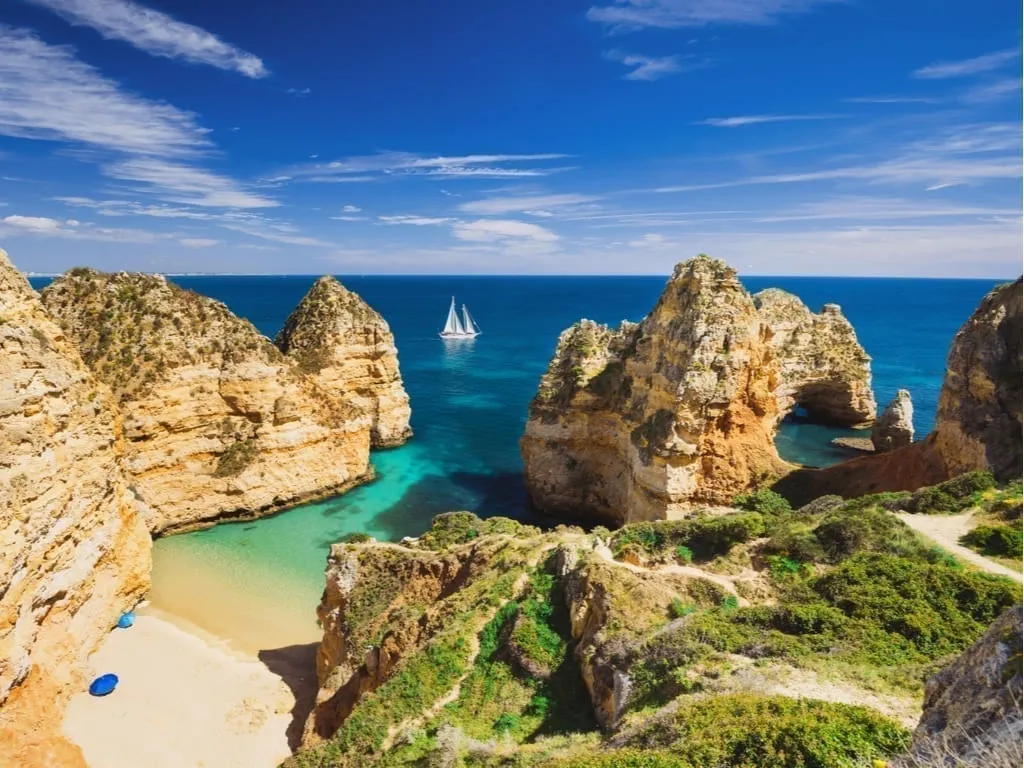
262	580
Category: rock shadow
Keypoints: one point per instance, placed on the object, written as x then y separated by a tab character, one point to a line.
296	666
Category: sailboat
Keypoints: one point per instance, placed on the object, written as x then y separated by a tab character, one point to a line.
456	327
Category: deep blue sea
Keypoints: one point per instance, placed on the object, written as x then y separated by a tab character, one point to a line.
469	403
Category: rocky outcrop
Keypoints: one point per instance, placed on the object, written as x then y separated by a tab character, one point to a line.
219	424
74	551
643	421
978	423
972	708
895	427
349	351
824	369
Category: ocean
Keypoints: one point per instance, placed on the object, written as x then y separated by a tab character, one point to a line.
257	583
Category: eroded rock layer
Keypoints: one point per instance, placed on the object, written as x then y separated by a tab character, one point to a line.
74	551
349	350
640	422
219	423
895	427
824	369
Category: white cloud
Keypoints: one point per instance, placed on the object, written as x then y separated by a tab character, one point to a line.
350	209
418	221
535	205
736	122
300	92
348	218
994	91
187	184
669	14
197	242
965	67
359	168
646	67
46	93
490	230
890	100
155	33
651	239
33	223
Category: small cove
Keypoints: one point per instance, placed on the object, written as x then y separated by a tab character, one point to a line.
257	583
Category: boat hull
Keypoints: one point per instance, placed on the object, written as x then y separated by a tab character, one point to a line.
458	335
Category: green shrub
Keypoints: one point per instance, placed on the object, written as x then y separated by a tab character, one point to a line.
762	500
451	528
684	554
730	603
236	458
747	731
355	538
677	609
995	540
704	537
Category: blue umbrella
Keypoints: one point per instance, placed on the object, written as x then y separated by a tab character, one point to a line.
126	620
103	685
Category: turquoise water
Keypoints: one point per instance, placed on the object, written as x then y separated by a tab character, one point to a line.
469	401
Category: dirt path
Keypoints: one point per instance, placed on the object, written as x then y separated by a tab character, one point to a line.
946	530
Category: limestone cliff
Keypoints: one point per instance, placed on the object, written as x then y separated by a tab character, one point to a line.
219	424
978	423
639	422
824	368
348	349
972	709
74	551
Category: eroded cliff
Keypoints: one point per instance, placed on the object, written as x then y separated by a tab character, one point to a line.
74	550
824	368
641	422
219	424
977	424
349	350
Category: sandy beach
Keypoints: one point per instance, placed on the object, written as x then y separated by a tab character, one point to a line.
189	700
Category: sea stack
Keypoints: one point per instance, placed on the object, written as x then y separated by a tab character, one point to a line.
895	427
349	351
824	368
637	423
75	549
219	423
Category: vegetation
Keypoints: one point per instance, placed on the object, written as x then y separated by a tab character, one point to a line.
236	458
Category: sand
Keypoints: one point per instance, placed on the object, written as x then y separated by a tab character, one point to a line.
188	700
946	530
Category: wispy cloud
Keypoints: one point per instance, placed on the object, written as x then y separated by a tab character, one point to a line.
669	14
350	209
737	122
646	67
155	33
536	205
965	67
417	221
891	100
994	91
198	242
187	184
384	164
300	92
490	230
48	94
71	229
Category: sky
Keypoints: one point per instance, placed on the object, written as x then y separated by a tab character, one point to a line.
788	137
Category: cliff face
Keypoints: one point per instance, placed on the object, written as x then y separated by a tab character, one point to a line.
895	427
824	368
349	351
219	424
978	423
972	708
75	550
639	422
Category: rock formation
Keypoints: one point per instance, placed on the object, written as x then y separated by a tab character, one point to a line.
219	424
825	370
895	427
74	551
972	708
977	424
348	349
640	422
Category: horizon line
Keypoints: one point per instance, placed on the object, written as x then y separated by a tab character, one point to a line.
516	275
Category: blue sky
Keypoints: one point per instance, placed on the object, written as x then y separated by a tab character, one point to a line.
820	137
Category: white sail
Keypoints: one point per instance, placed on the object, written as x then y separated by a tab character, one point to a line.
452	324
467	321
